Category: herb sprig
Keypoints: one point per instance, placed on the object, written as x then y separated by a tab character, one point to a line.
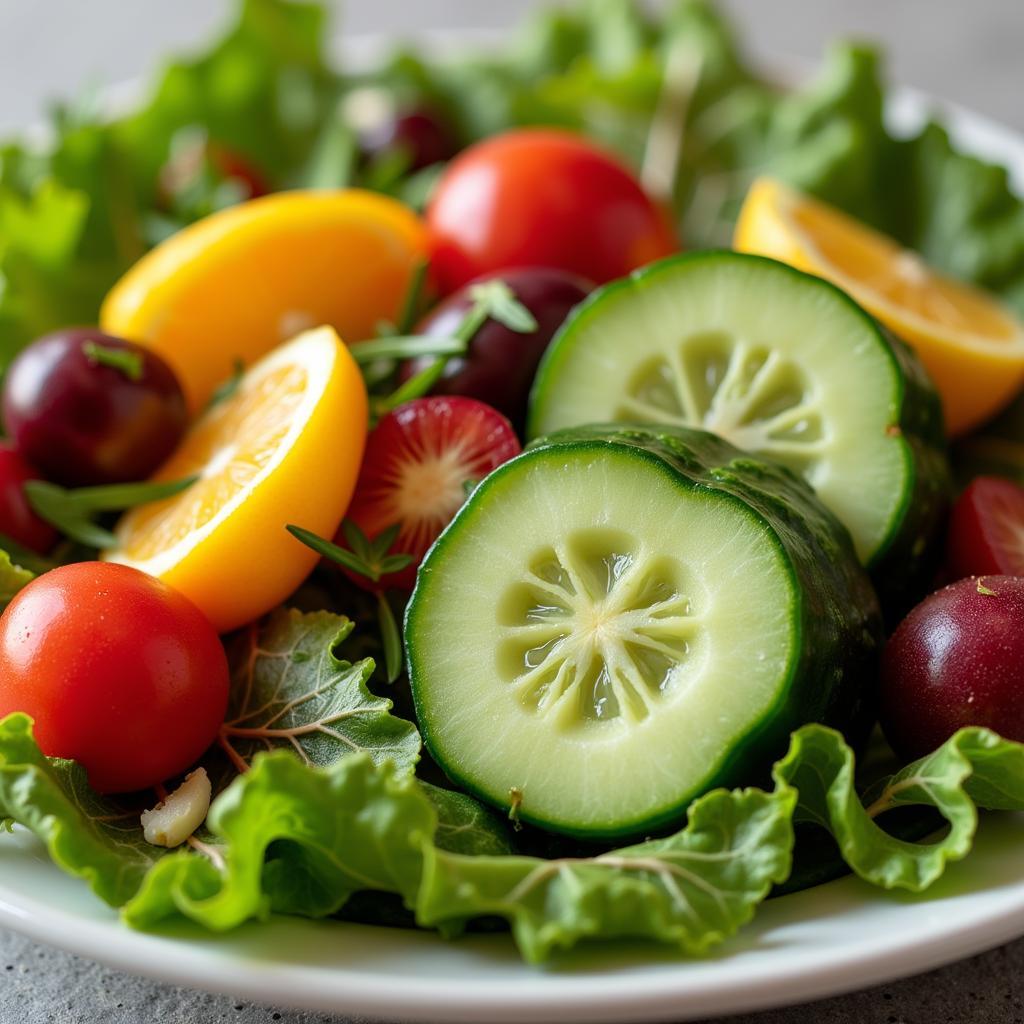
127	362
74	512
491	300
369	559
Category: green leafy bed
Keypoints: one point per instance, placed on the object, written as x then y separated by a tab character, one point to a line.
319	801
76	211
320	791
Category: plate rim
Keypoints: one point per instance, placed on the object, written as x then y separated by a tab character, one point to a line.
559	995
632	994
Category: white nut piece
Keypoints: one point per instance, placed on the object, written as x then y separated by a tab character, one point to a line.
175	818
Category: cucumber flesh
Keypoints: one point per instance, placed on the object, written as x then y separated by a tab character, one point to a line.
599	637
775	361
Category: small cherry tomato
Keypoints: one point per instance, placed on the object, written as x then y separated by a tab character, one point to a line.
199	163
120	673
986	530
542	198
17	520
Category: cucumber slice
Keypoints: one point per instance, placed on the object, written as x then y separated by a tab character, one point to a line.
781	364
618	620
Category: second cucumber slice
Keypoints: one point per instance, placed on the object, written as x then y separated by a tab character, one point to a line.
781	364
620	619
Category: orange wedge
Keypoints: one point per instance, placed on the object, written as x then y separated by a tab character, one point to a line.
971	344
284	448
238	283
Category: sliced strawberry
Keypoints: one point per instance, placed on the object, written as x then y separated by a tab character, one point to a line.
418	463
986	532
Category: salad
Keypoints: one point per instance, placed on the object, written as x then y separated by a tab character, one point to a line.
509	489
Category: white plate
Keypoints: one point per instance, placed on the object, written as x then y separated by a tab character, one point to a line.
834	938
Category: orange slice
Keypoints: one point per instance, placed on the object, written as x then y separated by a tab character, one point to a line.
284	448
971	344
238	283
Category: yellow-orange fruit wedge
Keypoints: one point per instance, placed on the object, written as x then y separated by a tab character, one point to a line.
971	344
236	284
284	448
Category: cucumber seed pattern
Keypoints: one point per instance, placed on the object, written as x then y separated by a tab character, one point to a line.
748	394
595	630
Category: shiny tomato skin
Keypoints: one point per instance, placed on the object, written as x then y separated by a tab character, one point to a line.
17	520
544	198
120	673
986	530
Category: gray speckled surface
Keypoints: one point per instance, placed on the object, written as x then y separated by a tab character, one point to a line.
965	51
39	985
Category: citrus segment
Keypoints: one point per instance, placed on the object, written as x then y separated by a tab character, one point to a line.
971	344
236	284
284	448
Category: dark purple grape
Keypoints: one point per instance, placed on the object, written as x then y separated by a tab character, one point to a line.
500	365
956	660
87	408
423	135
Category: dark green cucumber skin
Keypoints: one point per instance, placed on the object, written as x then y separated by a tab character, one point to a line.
840	618
903	570
839	629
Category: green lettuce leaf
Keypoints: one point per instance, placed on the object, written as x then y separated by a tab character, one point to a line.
959	211
41	284
291	837
96	839
262	91
599	68
77	210
975	768
297	840
12	579
290	689
465	826
692	890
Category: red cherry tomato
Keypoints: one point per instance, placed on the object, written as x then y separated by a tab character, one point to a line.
986	530
17	520
542	198
120	672
232	164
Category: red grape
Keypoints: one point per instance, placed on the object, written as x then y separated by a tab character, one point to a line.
501	363
83	417
17	520
956	660
422	135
